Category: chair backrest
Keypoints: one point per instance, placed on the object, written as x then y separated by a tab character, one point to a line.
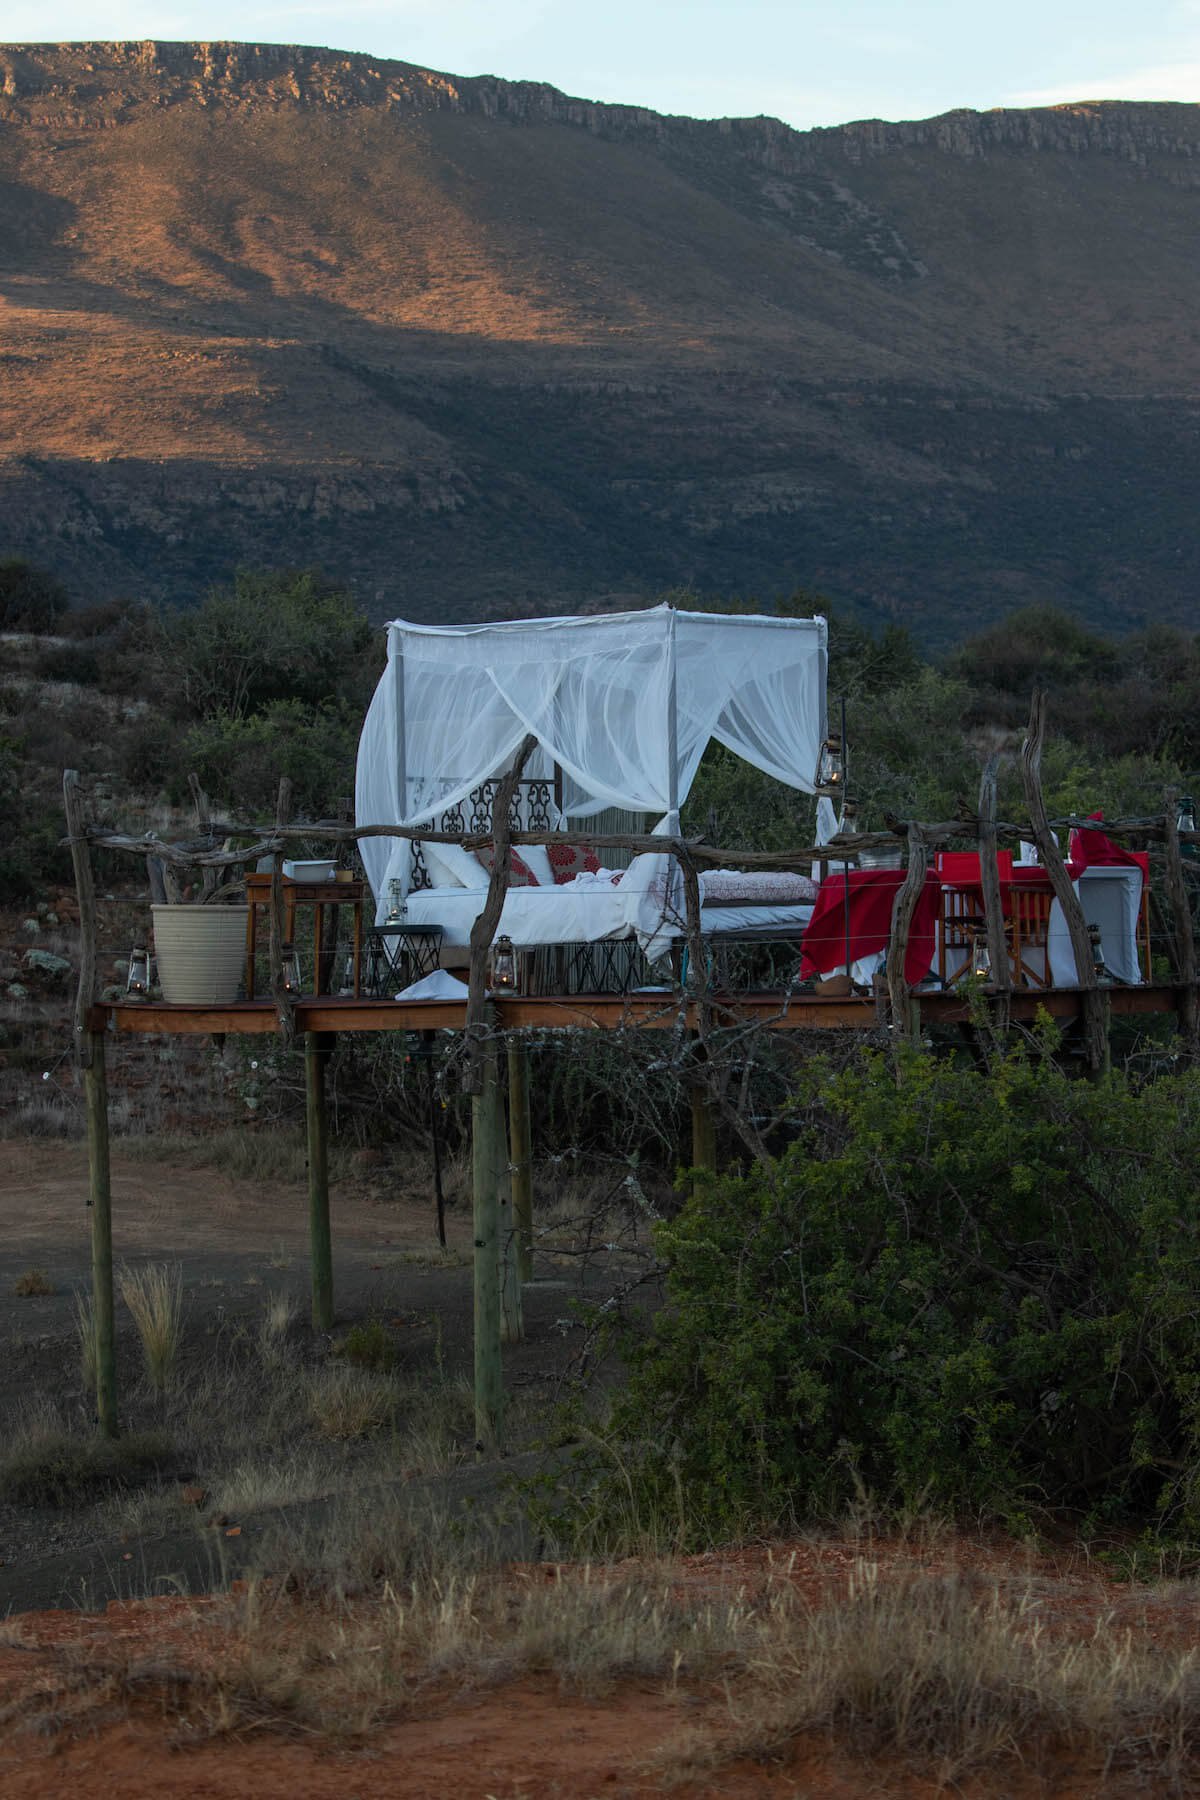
962	866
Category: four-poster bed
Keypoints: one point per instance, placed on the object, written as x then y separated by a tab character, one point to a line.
622	707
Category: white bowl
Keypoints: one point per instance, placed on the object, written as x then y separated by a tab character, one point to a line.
309	871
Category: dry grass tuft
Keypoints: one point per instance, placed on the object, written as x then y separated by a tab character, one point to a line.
154	1295
33	1283
944	1675
85	1327
353	1403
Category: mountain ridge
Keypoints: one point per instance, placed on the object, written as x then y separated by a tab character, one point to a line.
478	345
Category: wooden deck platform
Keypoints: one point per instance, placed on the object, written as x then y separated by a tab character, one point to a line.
605	1012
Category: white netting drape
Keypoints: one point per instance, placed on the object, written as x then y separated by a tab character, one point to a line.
624	704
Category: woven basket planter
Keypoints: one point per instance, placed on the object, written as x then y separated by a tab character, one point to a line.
201	953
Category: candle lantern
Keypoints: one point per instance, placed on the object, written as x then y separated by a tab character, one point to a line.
137	982
291	969
1186	821
981	962
831	768
502	975
397	904
1103	978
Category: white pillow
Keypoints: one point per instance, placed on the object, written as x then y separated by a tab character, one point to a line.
536	858
450	865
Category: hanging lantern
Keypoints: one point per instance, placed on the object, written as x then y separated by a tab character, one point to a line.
1186	821
397	905
831	769
503	973
137	982
981	962
291	969
1103	978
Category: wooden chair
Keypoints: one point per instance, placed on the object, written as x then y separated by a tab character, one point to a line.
963	918
1029	924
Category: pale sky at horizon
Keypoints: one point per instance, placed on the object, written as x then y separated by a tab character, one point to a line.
801	61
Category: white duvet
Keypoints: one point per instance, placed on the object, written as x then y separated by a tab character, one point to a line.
610	904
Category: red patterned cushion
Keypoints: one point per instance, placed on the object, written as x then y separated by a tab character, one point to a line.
519	874
570	860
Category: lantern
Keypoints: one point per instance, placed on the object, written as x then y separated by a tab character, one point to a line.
137	982
397	905
981	962
1103	978
1186	821
503	973
831	768
291	969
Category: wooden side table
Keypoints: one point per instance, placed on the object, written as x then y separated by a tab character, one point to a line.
317	895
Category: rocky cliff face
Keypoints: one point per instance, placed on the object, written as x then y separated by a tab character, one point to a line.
477	345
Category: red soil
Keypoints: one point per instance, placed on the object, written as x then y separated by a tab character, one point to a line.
68	1731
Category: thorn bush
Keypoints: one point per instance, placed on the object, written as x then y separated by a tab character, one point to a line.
973	1289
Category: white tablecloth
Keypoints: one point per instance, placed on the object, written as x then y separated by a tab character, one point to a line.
1111	898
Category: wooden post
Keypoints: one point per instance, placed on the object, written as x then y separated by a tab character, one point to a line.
697	956
1095	1035
993	907
100	1201
316	1055
85	889
903	908
1181	914
704	1130
489	1153
520	1149
484	928
284	1009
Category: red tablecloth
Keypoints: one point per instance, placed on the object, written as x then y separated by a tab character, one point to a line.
872	895
1087	849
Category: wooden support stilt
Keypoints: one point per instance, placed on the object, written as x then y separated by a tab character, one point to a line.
520	1136
704	1130
489	1153
100	1201
316	1054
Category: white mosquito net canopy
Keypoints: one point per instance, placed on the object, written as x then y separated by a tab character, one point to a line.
624	704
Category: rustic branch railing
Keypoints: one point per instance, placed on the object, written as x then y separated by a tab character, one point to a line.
229	845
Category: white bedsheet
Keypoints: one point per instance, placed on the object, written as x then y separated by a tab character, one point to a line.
577	912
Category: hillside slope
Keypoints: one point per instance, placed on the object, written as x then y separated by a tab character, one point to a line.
479	347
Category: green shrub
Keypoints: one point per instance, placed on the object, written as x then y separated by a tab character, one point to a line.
967	1288
51	1468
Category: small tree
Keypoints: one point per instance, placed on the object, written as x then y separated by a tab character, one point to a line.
287	635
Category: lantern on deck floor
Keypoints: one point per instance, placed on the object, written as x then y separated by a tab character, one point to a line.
1103	978
291	969
137	982
502	976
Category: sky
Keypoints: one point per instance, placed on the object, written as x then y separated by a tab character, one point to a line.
810	62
